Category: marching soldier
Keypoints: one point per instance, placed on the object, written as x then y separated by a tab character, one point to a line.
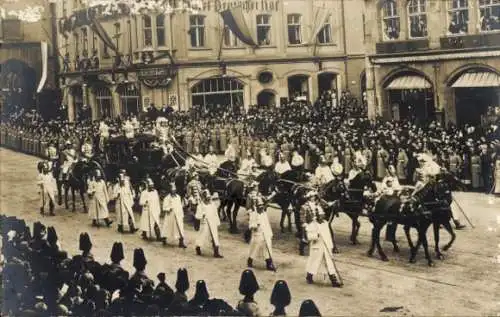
209	218
262	234
320	245
48	188
150	218
173	225
193	191
99	198
124	201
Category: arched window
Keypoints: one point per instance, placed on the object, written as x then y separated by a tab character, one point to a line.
104	102
489	15
417	18
130	99
458	13
391	25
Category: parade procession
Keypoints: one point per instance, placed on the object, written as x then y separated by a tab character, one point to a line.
316	171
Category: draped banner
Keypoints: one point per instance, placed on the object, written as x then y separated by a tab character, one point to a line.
103	35
320	18
235	21
45	55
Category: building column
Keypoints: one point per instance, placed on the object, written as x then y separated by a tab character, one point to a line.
90	100
313	87
71	106
473	22
438	95
379	100
247	95
116	101
370	90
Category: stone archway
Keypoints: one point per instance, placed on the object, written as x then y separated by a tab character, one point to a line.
266	98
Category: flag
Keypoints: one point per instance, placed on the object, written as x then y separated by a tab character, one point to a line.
45	55
320	18
101	32
235	21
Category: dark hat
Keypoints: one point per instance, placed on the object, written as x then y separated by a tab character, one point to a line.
201	294
182	284
117	252
248	283
85	243
281	294
139	259
309	309
51	235
38	229
161	277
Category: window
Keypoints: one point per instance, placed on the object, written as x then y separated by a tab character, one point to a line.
84	39
417	18
160	30
489	13
197	30
391	21
76	38
117	35
230	40
458	16
264	29
294	28
325	35
146	26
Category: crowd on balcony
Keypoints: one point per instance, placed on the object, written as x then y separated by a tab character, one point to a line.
337	132
39	278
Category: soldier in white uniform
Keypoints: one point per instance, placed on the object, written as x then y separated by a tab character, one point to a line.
48	188
70	157
209	218
150	217
320	246
282	165
323	173
124	196
262	234
99	198
211	160
173	225
128	130
103	134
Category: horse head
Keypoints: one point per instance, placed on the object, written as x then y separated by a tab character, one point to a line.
363	179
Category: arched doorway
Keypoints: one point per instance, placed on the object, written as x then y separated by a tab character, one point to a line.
327	81
104	102
17	86
130	99
218	93
298	87
266	98
477	95
410	97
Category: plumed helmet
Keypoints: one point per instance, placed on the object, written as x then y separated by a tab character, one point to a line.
201	294
182	283
309	309
248	283
139	259
38	230
85	243
337	169
51	235
281	294
117	252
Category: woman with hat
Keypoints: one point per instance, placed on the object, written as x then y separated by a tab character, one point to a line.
150	217
209	218
99	198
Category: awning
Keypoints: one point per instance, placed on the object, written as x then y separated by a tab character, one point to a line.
483	79
409	82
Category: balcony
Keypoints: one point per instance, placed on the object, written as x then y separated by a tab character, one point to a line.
402	46
470	41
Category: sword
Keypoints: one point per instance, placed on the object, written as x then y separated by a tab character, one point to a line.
462	211
333	261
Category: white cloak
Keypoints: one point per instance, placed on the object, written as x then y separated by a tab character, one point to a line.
98	204
150	201
262	234
173	225
209	218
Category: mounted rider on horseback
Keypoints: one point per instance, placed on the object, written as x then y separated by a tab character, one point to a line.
69	158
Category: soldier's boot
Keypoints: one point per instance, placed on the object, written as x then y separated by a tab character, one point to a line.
42	211
181	243
94	223
270	266
164	241
158	233
302	247
247	235
217	254
458	225
335	282
108	222
133	229
250	262
144	235
198	251
309	278
51	208
120	228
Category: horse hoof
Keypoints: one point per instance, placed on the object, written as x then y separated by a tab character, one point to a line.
385	258
440	256
446	247
431	264
396	249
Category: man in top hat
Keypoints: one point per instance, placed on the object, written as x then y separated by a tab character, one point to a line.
282	165
262	234
173	225
124	202
99	198
248	287
280	298
323	173
48	188
321	246
151	208
69	158
209	218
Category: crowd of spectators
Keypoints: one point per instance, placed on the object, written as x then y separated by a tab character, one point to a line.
38	278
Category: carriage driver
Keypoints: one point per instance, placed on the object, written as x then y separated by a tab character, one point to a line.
69	158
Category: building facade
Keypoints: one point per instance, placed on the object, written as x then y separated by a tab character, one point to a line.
433	59
189	58
27	55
